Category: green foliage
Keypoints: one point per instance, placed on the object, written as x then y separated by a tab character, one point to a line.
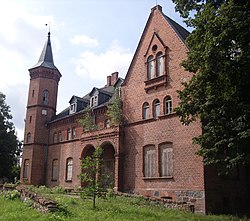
13	194
46	190
218	94
92	177
115	109
87	121
10	147
114	209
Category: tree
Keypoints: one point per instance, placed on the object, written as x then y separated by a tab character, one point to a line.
10	147
91	175
115	108
219	92
87	121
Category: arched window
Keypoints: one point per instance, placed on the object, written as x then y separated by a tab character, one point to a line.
151	67
167	105
59	136
69	169
156	108
26	169
73	133
68	134
149	161
55	167
55	137
45	97
107	123
28	139
145	110
160	64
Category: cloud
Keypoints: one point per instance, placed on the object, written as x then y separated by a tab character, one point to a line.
84	40
98	66
21	43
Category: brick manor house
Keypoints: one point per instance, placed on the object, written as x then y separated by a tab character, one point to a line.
151	153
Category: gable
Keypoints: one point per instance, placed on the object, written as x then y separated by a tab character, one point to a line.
159	28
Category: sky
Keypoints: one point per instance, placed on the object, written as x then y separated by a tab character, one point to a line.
90	40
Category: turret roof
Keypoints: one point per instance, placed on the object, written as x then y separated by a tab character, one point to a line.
46	57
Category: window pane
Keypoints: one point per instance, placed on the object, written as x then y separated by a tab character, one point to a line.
145	111
160	65
26	169
151	67
68	134
55	170
69	169
59	136
168	105
157	108
166	165
45	97
150	161
73	133
55	138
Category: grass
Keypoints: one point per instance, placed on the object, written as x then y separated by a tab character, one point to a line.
113	209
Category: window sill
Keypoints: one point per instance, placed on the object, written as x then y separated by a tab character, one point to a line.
158	178
155	83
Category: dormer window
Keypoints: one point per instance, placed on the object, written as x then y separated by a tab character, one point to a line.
94	101
73	108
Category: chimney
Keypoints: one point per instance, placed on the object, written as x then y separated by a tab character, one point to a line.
114	77
108	81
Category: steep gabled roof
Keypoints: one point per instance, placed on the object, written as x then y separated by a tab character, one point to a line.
46	57
181	32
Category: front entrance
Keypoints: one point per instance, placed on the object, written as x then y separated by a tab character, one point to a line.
108	163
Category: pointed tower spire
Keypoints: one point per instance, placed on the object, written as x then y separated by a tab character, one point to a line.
46	57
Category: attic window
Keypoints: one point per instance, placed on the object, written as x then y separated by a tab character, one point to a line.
154	48
94	101
72	108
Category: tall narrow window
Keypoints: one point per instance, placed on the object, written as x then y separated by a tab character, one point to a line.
69	169
26	169
145	111
45	97
30	119
73	133
55	137
55	167
156	108
168	105
151	67
68	134
59	136
159	60
94	101
149	161
166	160
33	93
107	123
28	140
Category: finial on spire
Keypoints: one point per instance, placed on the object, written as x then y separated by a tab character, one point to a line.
49	29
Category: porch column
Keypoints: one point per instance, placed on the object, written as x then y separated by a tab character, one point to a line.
116	184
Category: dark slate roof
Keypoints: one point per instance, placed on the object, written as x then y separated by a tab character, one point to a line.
86	98
182	32
46	57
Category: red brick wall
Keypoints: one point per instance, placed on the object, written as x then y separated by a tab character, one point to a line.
187	182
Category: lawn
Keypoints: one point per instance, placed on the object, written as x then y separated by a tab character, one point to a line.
117	208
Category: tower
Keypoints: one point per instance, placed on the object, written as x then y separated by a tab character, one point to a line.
41	107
